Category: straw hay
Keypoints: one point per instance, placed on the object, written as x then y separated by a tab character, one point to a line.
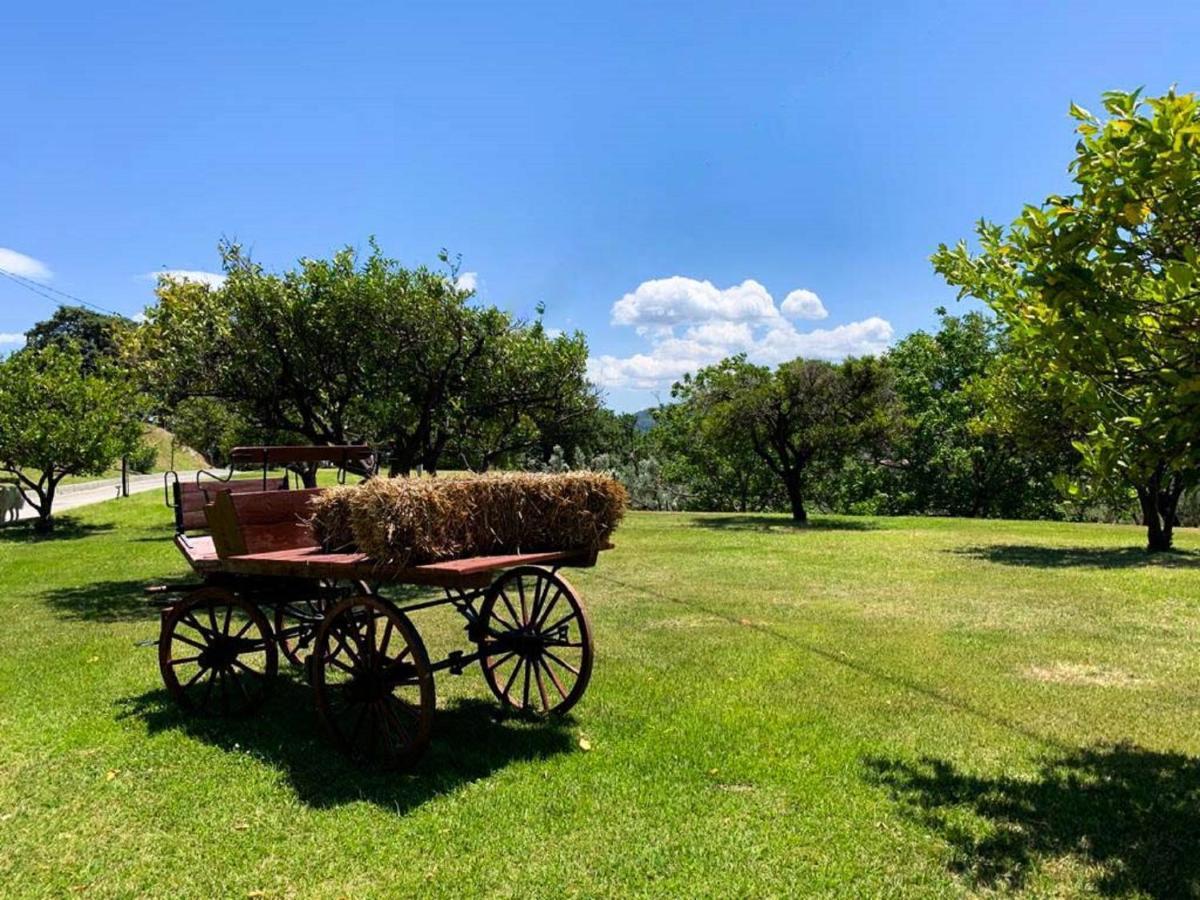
410	521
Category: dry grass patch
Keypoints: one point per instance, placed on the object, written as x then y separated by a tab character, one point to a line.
1083	674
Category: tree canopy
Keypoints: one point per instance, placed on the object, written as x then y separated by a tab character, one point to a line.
97	336
1099	290
362	348
806	415
57	419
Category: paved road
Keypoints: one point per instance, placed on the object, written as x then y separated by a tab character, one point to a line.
84	493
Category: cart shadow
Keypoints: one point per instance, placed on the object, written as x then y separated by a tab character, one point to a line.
1034	556
471	741
103	601
741	522
1130	815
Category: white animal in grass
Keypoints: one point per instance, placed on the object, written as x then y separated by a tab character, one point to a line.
12	501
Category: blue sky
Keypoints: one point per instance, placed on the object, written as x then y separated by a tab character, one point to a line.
608	160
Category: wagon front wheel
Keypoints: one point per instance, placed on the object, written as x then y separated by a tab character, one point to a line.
216	653
374	684
537	641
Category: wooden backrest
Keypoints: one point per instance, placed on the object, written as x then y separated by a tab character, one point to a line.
191	498
260	521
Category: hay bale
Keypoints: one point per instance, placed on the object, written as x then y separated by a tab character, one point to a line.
410	521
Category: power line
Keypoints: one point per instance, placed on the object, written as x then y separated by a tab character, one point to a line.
40	289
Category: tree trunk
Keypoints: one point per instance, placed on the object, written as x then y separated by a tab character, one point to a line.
308	474
1159	508
45	509
795	494
401	461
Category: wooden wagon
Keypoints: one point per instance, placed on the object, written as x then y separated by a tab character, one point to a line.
265	587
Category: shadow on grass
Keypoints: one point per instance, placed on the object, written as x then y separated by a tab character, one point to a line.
1131	813
780	523
103	601
65	529
470	742
1035	556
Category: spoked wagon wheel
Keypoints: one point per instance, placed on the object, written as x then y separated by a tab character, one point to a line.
297	621
538	641
217	653
374	688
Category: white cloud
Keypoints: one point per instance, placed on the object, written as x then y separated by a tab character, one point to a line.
212	279
140	318
713	324
678	300
27	266
803	304
467	281
868	337
11	337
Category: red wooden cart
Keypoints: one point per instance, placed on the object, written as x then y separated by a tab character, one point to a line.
372	679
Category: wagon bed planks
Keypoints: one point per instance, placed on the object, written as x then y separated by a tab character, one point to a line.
312	562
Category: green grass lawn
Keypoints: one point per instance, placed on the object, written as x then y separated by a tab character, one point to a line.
867	707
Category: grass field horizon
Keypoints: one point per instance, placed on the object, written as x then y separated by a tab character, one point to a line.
866	706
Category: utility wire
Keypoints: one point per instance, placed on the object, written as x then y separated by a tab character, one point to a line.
40	289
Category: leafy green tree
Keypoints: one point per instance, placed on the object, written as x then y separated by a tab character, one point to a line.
713	470
213	428
97	336
1100	292
951	458
348	349
804	416
528	387
293	353
59	419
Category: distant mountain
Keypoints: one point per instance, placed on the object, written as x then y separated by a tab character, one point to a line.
643	419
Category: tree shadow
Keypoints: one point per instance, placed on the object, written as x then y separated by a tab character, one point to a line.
66	528
765	522
1132	816
471	740
103	601
1042	557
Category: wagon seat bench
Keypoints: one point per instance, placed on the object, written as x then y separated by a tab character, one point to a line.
188	499
371	675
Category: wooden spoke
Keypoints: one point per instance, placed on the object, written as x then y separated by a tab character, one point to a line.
541	685
567	618
554	679
364	689
517	621
566	665
527	650
511	678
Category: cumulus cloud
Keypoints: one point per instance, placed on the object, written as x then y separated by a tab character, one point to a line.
678	300
803	304
467	281
11	337
690	324
26	266
212	279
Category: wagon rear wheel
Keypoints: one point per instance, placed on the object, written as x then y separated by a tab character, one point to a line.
297	621
374	688
537	640
217	653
